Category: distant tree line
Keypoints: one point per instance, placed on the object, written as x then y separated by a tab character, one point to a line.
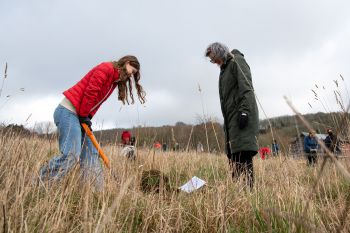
208	132
319	121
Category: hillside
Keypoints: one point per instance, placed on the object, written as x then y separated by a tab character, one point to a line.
283	128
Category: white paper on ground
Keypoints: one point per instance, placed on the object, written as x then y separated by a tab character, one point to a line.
193	184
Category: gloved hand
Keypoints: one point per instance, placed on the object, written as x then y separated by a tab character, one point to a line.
86	120
242	120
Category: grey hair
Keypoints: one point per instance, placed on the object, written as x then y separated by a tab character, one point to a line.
218	50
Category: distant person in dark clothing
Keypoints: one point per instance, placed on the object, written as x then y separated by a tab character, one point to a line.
164	147
275	148
132	141
332	142
239	109
310	148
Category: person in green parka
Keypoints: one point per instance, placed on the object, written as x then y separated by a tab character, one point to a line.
239	109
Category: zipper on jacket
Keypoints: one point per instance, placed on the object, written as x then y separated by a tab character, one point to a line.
100	102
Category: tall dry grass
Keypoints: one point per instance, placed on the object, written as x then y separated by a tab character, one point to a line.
283	187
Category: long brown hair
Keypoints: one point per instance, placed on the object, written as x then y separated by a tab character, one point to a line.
124	82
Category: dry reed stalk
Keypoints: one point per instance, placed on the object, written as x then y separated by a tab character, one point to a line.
3	80
114	207
344	214
204	118
299	220
320	172
216	137
85	209
5	218
189	139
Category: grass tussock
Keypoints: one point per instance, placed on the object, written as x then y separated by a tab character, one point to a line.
282	189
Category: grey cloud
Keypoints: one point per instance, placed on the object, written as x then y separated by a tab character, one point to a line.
50	45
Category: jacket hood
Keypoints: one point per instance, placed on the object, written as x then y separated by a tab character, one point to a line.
237	52
234	52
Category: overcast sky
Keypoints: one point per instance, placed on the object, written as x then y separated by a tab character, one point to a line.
289	45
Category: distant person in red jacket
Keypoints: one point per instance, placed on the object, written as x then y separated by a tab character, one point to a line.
126	136
79	105
128	143
157	145
264	151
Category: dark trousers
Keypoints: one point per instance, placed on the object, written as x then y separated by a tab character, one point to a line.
242	164
311	158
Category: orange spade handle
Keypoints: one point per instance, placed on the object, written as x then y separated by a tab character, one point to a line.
97	146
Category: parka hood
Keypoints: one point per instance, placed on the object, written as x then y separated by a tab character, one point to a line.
237	52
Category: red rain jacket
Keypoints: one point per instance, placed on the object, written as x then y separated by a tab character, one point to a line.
126	135
264	151
93	89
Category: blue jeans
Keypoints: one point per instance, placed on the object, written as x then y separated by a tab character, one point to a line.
74	147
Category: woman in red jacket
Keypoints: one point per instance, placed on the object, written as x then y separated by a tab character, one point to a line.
79	105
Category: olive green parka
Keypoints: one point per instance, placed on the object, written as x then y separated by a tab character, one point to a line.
236	96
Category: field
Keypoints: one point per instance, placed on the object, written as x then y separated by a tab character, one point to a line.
288	196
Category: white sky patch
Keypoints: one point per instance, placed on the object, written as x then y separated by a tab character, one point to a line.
159	106
29	111
296	77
